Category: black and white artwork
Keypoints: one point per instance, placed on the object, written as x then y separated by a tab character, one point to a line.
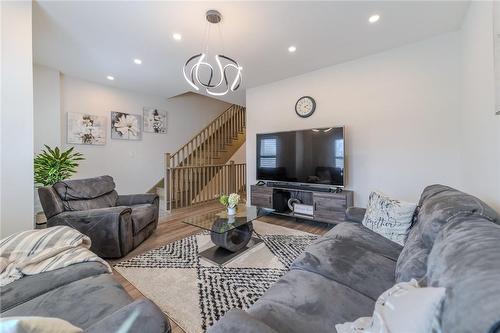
86	129
125	126
155	121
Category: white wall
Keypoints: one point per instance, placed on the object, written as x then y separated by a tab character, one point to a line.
480	128
400	110
16	181
240	155
135	165
47	106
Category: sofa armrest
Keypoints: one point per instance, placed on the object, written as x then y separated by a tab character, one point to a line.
355	214
110	229
239	321
140	316
136	199
89	216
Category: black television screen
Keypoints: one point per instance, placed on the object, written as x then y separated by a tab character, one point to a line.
314	156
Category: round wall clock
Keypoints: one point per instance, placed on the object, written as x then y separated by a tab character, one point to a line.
305	106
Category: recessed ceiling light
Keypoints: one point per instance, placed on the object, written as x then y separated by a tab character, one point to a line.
292	49
374	18
110	78
177	36
137	61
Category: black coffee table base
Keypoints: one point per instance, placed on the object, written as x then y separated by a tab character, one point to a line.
220	256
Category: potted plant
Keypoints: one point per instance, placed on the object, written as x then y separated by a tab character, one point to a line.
54	165
230	202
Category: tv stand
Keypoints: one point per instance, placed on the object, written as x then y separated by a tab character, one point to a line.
329	205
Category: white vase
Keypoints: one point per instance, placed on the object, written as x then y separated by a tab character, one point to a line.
231	210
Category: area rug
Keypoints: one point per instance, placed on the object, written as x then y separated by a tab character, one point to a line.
196	293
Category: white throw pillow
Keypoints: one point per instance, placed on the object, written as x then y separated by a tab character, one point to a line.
405	308
389	217
36	325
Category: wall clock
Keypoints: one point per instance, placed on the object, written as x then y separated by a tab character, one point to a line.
305	106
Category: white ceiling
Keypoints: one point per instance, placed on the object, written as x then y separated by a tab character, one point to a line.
91	40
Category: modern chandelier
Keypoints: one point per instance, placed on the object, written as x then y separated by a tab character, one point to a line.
217	79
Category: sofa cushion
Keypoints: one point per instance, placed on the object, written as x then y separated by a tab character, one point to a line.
369	239
438	205
465	260
104	201
26	324
142	215
412	263
88	188
307	302
81	303
352	255
32	286
140	316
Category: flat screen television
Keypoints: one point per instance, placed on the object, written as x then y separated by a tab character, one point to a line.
313	156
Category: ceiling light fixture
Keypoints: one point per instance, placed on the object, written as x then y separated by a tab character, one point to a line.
137	61
110	78
374	18
292	49
177	36
218	79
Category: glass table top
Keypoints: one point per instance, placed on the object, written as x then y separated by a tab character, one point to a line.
219	222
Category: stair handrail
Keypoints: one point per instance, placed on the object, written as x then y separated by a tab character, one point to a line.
210	125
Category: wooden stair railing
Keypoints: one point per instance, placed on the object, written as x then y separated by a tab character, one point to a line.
206	146
190	185
198	171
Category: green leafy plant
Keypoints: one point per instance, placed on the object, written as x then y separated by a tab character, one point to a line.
54	165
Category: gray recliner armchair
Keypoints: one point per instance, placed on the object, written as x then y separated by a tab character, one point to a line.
116	224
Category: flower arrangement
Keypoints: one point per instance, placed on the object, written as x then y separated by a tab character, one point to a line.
230	202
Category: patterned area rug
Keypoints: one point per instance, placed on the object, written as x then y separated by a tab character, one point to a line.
196	293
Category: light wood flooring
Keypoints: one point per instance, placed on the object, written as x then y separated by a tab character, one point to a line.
171	228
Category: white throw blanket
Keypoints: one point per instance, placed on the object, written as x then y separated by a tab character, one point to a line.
36	251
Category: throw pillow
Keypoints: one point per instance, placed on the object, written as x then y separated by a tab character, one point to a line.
36	325
403	308
388	217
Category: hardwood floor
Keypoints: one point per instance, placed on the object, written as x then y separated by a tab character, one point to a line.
171	228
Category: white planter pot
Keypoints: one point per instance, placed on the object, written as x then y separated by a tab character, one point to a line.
231	210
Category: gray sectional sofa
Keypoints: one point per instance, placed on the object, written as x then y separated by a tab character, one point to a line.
85	295
454	243
116	224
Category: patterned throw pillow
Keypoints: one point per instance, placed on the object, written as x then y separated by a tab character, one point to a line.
389	217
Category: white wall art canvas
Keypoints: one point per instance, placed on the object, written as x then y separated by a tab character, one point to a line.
86	129
155	121
496	34
125	126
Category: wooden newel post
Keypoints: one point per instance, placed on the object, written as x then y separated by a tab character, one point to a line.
167	184
232	177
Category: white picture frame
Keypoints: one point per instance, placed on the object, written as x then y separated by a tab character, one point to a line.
125	126
154	120
85	129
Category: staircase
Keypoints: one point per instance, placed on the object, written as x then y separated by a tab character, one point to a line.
201	169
